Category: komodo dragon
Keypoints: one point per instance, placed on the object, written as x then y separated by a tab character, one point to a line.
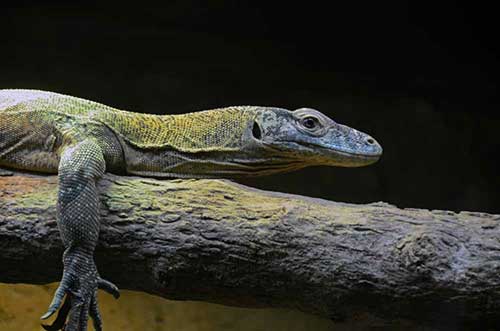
80	140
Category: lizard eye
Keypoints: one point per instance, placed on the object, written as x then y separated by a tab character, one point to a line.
310	122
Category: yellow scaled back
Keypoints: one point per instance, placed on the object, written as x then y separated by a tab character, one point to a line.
206	130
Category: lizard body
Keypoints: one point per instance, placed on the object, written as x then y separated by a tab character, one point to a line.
80	140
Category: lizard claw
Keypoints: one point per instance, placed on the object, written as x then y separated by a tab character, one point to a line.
49	313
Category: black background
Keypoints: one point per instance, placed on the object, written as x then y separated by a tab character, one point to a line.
422	79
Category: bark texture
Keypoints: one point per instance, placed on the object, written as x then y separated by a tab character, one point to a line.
217	241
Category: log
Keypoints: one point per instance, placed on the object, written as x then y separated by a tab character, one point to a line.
222	242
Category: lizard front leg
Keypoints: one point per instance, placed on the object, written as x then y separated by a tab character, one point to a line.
80	167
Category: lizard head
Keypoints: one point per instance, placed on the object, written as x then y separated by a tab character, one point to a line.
311	137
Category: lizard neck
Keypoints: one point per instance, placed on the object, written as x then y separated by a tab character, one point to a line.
208	144
213	143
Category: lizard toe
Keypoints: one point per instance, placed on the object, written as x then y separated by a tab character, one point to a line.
61	291
95	314
108	287
60	320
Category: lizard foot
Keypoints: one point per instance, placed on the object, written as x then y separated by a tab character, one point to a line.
4	172
79	285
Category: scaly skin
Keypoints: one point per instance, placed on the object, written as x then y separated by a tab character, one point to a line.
80	140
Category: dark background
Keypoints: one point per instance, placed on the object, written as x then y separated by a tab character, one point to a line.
421	79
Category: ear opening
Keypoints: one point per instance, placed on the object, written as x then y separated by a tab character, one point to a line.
256	132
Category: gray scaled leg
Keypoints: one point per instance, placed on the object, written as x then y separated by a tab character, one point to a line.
80	167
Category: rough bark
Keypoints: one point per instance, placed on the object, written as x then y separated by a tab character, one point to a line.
218	241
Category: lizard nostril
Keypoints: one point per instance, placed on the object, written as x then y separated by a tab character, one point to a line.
370	141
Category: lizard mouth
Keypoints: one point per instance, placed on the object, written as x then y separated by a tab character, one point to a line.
338	151
334	152
318	154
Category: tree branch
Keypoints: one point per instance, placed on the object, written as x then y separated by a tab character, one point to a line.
218	241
